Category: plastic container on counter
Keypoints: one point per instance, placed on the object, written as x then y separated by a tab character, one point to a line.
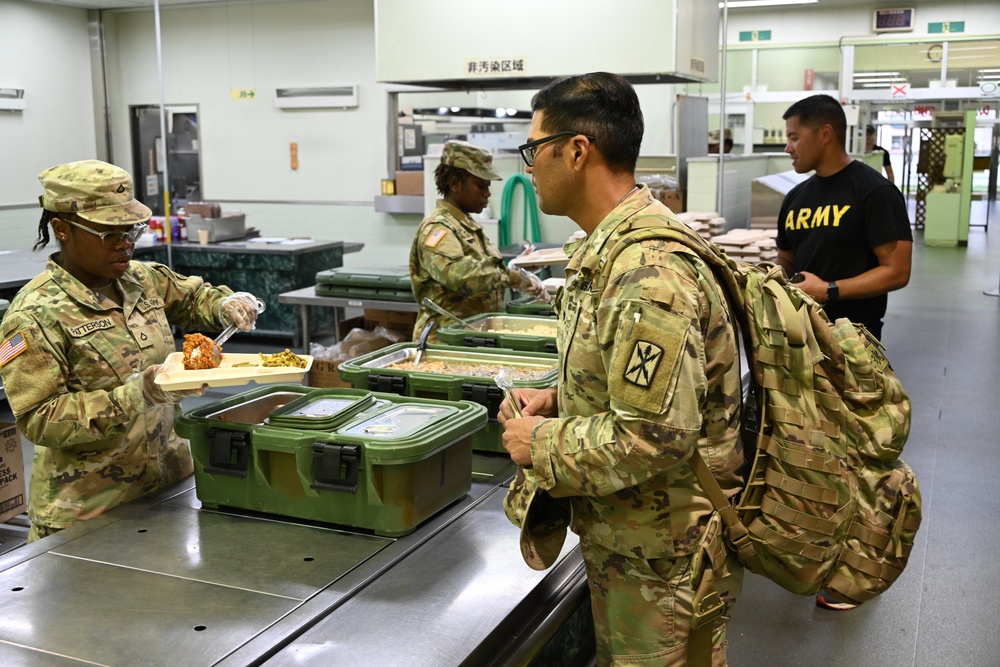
514	332
528	305
386	284
372	461
453	374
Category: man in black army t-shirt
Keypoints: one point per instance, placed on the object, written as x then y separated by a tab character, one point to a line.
845	230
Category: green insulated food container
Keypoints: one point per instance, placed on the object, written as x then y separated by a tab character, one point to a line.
387	284
528	305
514	332
389	463
452	373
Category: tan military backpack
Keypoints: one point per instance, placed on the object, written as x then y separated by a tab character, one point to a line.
828	504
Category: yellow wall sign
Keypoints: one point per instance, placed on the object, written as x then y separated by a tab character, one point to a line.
243	93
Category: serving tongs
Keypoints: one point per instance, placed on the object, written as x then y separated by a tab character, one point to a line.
441	311
422	343
505	383
226	334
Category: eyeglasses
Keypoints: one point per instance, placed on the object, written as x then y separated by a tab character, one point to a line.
113	239
529	149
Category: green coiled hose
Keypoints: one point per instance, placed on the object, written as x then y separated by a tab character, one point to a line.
529	214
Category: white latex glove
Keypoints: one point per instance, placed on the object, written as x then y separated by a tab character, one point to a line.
529	283
154	394
240	309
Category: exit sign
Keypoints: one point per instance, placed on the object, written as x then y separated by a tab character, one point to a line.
755	36
946	26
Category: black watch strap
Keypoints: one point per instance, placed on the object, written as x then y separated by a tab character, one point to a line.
832	291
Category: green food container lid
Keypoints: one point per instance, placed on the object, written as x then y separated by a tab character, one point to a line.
514	332
528	305
314	411
397	277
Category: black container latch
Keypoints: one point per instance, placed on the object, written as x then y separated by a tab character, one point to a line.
395	384
480	341
336	466
485	394
228	452
550	346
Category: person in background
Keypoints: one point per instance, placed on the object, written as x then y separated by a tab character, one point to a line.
713	142
648	376
82	347
871	147
843	234
452	263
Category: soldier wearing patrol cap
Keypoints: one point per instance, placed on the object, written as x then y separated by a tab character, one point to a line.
648	375
452	263
82	345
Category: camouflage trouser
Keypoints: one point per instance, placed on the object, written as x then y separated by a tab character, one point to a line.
37	532
643	609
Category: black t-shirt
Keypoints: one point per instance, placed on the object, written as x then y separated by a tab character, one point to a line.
831	225
886	162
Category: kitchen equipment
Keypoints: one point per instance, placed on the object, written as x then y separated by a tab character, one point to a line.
529	305
389	463
452	373
427	303
506	384
226	334
385	284
422	343
515	332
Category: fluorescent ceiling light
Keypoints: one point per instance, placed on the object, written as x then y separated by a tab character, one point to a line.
859	75
738	4
882	80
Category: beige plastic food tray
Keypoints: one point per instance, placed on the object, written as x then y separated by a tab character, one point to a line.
174	377
543	257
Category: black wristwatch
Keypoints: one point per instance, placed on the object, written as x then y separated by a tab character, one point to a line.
832	291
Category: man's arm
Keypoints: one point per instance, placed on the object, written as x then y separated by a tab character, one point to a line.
892	273
786	260
889	173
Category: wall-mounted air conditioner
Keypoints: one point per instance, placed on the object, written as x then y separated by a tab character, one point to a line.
12	99
327	97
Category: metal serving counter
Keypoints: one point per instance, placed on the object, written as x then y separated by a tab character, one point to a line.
306	297
163	581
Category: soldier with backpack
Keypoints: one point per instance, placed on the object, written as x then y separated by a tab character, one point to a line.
845	230
649	375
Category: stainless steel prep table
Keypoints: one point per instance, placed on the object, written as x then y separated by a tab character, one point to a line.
163	582
306	297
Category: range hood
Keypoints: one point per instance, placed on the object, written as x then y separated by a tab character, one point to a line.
525	44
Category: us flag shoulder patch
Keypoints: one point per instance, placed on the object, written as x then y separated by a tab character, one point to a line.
435	237
12	347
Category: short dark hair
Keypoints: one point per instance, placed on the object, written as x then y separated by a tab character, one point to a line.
600	105
818	110
444	174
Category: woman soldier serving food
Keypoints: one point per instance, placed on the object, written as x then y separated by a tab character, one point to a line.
82	343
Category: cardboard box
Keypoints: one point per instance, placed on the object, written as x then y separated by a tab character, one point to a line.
324	374
393	320
674	200
12	487
409	182
344	327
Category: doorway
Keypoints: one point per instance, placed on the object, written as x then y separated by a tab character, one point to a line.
182	153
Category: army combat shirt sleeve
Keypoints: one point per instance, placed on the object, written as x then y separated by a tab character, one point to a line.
647	373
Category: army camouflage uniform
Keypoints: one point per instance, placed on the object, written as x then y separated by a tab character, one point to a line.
98	443
463	271
648	372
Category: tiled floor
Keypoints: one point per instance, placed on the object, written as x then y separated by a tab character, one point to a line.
943	338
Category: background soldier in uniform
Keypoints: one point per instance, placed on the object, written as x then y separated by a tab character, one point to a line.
451	261
87	336
648	374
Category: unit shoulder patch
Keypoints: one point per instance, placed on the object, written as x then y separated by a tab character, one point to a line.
641	368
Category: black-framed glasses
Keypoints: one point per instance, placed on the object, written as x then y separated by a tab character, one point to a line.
113	239
529	149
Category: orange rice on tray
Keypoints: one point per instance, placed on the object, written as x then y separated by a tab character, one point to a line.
203	360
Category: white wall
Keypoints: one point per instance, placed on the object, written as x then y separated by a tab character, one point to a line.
44	50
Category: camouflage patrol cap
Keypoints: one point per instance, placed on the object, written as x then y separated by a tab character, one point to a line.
713	136
543	520
93	190
473	159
